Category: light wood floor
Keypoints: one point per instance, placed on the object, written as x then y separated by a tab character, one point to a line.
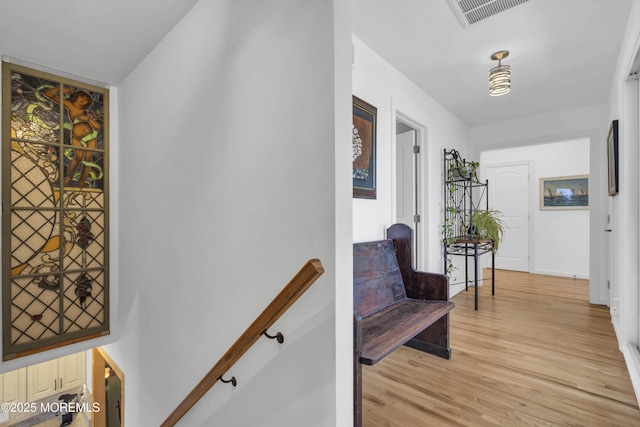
535	354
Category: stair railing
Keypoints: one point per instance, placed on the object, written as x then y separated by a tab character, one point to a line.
297	286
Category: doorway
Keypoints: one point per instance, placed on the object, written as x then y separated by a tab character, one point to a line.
407	203
559	238
107	382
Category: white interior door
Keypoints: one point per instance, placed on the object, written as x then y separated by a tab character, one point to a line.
406	183
509	193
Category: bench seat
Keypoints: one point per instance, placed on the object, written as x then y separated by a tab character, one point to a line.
395	305
388	329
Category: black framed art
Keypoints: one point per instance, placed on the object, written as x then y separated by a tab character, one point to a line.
612	158
364	149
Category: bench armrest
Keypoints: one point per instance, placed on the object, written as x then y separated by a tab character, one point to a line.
418	284
430	286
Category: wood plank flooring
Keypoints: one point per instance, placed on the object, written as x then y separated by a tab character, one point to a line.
535	354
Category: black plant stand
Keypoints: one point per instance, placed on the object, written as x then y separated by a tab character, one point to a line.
463	194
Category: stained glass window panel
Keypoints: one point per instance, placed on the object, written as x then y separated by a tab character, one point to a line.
83	300
33	175
89	236
55	182
34	310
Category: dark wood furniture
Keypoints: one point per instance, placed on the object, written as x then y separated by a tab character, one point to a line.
395	305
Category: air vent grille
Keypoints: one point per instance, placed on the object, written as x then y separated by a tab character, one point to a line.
471	11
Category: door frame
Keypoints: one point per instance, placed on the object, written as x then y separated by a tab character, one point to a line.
99	359
421	190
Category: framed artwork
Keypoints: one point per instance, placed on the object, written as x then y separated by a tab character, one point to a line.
55	275
364	149
565	192
612	157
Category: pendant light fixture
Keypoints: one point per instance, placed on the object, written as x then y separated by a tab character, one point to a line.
500	76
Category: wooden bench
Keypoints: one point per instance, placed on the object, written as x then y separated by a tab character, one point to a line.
395	305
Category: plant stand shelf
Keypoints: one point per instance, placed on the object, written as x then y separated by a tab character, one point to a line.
473	248
463	196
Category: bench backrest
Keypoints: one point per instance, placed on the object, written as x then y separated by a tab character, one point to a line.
377	281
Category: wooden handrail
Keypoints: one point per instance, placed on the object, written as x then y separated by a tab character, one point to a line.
298	285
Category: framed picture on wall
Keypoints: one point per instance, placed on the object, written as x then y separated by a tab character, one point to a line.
612	157
565	192
364	149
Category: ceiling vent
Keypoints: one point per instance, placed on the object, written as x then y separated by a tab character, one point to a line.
471	11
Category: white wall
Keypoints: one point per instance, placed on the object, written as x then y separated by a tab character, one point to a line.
625	297
227	187
343	214
589	122
378	83
559	238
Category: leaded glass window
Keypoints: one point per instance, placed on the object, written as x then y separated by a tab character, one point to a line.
55	211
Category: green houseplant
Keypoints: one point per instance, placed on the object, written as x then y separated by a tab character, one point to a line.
463	170
486	224
449	235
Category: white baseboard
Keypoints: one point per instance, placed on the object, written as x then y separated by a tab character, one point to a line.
632	358
561	274
458	287
455	289
616	328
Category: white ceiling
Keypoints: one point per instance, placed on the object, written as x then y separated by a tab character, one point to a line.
100	40
563	52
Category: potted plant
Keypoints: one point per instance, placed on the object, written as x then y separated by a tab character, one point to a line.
463	170
486	224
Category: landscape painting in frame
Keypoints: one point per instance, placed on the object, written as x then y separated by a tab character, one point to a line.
567	192
364	149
